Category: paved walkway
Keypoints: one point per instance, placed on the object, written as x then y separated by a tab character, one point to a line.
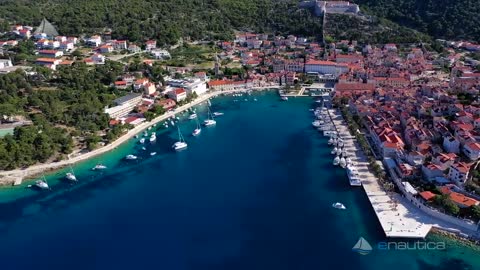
396	218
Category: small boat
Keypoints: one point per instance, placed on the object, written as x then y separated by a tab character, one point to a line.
144	148
181	144
284	98
339	206
171	122
149	128
99	167
192	116
336	161
153	153
142	140
71	175
254	99
330	141
131	157
153	137
334	151
343	162
218	113
136	136
41	183
316	123
145	133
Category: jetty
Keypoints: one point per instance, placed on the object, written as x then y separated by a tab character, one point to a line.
397	219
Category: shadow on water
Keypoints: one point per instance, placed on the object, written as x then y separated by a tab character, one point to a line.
287	231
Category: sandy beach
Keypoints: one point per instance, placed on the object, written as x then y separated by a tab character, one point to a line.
15	177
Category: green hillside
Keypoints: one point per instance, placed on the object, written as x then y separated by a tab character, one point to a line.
165	20
451	19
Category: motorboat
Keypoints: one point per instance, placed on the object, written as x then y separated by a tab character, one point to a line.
336	161
131	157
145	134
284	98
339	151
153	153
218	113
99	167
142	140
144	148
181	144
192	116
330	141
334	151
153	137
316	123
343	162
338	205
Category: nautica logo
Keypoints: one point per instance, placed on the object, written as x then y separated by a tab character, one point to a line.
362	247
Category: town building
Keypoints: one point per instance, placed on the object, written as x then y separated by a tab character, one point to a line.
124	105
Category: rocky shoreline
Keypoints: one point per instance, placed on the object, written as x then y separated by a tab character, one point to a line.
466	240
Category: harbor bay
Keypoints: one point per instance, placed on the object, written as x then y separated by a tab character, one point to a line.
253	192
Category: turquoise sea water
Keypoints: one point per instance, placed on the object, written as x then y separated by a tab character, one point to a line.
253	192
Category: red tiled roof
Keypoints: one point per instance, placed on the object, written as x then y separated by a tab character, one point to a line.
320	62
427	195
179	91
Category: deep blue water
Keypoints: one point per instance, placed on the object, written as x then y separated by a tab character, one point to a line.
253	192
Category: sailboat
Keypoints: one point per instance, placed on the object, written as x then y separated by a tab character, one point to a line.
71	175
181	144
42	183
197	131
209	121
362	247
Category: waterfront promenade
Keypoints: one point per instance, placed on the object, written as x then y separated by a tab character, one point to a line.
16	177
396	218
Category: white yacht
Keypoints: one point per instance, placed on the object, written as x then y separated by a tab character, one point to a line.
209	122
131	157
343	162
145	134
339	206
353	176
197	130
218	113
334	151
171	122
99	167
153	137
316	123
330	141
142	140
336	161
153	153
339	151
41	183
284	98
192	116
181	144
71	175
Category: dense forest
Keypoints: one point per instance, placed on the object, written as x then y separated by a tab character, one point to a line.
450	19
69	104
166	20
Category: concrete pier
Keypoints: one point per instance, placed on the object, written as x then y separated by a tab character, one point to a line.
396	218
